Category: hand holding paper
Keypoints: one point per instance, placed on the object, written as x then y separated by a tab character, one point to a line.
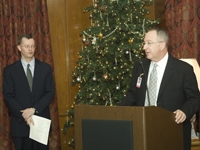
40	130
30	121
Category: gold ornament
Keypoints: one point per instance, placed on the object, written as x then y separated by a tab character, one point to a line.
100	35
130	41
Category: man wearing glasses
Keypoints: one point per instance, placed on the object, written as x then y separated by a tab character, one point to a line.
166	82
28	89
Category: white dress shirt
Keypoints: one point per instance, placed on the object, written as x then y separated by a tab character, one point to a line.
160	71
31	67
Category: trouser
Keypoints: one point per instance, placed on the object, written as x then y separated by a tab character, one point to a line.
25	143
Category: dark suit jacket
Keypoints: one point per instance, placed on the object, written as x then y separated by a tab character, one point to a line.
17	94
178	90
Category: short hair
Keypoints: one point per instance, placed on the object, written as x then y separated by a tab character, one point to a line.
161	35
27	36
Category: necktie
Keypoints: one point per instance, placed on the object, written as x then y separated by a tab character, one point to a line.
29	77
153	85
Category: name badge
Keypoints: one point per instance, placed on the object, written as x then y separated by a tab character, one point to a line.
139	81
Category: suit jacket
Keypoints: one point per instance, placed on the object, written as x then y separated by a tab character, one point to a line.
17	94
178	90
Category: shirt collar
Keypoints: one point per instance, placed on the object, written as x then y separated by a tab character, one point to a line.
163	62
24	63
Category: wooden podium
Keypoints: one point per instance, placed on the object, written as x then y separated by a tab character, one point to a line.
153	128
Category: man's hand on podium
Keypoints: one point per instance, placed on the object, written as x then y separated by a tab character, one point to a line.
179	116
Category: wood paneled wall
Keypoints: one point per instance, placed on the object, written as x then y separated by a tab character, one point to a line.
157	10
67	21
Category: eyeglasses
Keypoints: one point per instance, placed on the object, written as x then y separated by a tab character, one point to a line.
28	46
150	43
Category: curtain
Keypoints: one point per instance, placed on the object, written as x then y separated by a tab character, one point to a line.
19	17
183	26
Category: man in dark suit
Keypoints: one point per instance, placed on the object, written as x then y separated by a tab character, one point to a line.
23	99
176	86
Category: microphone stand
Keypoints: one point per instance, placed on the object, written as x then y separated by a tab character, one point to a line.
148	98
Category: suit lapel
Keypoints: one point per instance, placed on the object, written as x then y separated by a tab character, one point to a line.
168	73
146	68
22	76
36	75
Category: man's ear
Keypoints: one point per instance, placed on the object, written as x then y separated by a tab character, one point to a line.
162	45
19	48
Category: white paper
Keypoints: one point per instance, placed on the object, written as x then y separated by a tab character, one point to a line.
40	130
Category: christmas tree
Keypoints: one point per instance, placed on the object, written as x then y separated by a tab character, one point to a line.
111	45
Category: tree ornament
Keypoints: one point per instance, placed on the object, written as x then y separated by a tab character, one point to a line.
94	23
130	41
91	21
118	86
107	22
116	1
72	106
130	57
84	39
103	8
94	40
115	61
94	78
87	43
95	11
105	76
78	79
95	5
79	56
100	35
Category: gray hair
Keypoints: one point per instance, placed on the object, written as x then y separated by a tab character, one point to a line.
161	35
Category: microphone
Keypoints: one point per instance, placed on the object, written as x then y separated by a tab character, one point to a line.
145	77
